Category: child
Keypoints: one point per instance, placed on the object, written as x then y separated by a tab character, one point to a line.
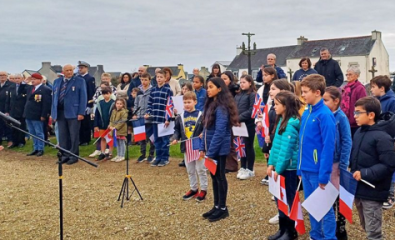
140	105
198	85
118	119
316	148
189	125
332	99
245	102
156	112
298	93
102	120
372	160
283	155
186	87
220	115
132	98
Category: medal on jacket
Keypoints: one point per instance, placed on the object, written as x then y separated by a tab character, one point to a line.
37	98
73	88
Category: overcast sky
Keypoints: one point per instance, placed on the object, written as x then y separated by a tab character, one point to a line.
122	35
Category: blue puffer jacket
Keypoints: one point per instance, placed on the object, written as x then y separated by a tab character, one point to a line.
217	138
388	102
343	140
317	141
284	153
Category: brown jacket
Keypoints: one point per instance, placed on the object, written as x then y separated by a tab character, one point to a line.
118	120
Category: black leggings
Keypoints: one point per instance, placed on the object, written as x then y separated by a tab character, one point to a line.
248	161
220	184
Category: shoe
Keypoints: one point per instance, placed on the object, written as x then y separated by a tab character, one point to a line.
108	157
32	153
150	159
155	163
64	160
107	151
95	153
218	215
202	196
72	161
84	144
101	157
265	181
182	163
141	159
209	213
273	198
389	203
281	230
114	159
163	163
39	153
11	146
120	159
289	230
190	194
241	171
247	175
21	145
274	220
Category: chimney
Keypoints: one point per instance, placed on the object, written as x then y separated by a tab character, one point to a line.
301	40
100	68
376	35
238	50
46	65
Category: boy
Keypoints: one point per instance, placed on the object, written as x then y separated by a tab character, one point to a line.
372	160
380	87
189	125
156	112
102	120
140	105
316	148
201	93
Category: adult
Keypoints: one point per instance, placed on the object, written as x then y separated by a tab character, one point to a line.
174	84
15	107
305	69
271	62
329	68
5	85
215	71
136	82
351	92
195	73
154	83
123	86
11	78
37	110
85	129
69	113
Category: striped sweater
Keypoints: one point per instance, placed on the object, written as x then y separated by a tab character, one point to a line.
157	103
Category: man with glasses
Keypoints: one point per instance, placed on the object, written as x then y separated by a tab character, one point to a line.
271	62
5	84
329	68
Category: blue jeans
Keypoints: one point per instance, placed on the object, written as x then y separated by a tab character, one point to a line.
36	128
291	184
326	228
161	145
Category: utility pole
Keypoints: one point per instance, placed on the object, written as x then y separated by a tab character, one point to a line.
248	51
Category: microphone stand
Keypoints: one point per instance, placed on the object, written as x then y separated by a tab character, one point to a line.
60	170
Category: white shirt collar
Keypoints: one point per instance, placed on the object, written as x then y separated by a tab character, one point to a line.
39	85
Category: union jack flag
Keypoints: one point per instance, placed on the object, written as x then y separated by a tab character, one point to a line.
240	147
169	108
258	106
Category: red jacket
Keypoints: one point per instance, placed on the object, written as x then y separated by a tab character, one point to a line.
349	98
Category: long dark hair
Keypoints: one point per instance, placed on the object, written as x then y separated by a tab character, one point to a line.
215	65
283	84
224	99
271	71
292	105
249	79
230	76
126	74
334	93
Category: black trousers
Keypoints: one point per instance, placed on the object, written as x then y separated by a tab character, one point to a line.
85	130
220	184
69	137
18	137
5	131
248	161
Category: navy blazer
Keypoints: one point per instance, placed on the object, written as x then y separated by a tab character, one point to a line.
4	94
90	88
75	99
38	104
16	101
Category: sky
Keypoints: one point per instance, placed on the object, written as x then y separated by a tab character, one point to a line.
122	35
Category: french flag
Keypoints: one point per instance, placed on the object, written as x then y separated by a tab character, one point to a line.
297	215
139	130
282	203
348	187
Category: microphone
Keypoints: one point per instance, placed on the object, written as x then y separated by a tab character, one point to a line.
10	119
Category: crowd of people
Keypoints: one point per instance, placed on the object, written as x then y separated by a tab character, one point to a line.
309	129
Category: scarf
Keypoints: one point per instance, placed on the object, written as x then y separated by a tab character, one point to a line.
346	97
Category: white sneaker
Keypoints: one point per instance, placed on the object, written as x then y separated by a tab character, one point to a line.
120	159
274	220
247	175
265	182
241	172
115	159
107	151
95	153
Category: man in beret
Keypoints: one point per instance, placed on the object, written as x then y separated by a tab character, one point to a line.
5	85
68	109
37	110
85	129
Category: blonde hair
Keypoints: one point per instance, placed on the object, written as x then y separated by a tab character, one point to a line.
106	75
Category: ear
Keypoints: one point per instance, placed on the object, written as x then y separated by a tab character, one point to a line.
371	115
317	93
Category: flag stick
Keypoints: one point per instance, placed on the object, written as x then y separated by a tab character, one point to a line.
184	140
300	181
367	183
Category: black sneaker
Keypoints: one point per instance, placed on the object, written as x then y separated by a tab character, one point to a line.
150	159
190	194
101	157
209	213
155	163
141	159
218	215
182	163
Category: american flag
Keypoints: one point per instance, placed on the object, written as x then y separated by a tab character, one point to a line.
191	154
240	147
169	109
265	121
258	106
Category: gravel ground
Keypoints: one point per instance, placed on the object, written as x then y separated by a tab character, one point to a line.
29	204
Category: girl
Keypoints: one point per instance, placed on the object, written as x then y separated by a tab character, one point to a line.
284	155
123	86
229	80
187	87
332	99
245	102
220	115
298	93
215	71
118	121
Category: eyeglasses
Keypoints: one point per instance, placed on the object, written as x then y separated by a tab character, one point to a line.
348	74
357	113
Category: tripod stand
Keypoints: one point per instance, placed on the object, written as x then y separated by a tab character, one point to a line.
124	193
12	122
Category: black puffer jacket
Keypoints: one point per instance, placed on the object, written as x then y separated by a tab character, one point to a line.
245	102
373	155
272	122
331	70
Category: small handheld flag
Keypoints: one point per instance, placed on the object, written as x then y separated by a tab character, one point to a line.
211	165
240	147
191	154
282	202
139	130
169	109
265	121
347	189
258	105
296	214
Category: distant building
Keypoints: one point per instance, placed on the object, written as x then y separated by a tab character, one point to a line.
204	72
222	64
178	71
28	73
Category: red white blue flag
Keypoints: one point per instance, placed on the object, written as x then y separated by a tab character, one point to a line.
190	153
169	109
240	147
258	106
139	130
348	187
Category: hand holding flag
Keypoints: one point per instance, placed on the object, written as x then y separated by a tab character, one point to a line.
258	105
